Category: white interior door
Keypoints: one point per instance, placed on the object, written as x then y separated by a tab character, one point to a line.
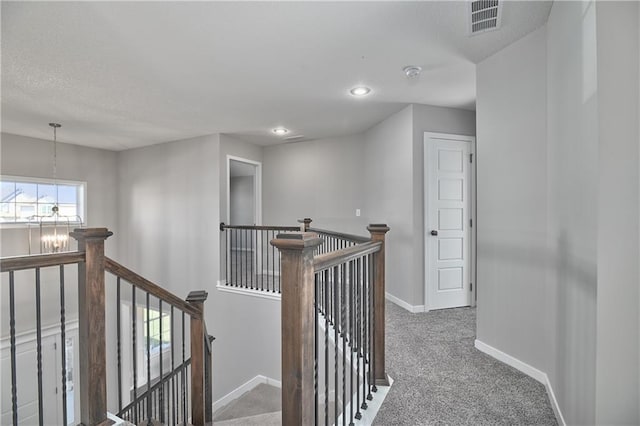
447	225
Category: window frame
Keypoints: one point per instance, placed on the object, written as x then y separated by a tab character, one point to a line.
81	196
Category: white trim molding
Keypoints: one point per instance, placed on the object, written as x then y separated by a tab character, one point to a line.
245	387
414	309
222	286
526	369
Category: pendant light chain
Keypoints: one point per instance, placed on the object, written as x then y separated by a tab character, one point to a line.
55	162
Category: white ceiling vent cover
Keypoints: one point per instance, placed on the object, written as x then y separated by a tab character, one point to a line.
485	15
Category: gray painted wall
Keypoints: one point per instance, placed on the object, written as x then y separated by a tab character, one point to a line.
23	156
321	179
388	180
572	114
617	306
558	207
511	210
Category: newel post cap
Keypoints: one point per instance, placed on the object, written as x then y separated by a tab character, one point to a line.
197	296
378	228
297	241
82	234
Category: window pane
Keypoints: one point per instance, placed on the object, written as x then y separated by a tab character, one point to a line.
68	210
67	194
8	189
26	192
45	209
25	210
46	193
7	212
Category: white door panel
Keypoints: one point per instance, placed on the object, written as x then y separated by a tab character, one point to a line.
447	210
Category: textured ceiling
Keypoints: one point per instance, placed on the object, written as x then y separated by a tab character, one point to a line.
120	75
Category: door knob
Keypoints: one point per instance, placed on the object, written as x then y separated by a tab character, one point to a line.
434	232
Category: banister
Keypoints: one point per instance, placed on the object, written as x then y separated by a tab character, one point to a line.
17	263
341	235
223	227
334	258
148	286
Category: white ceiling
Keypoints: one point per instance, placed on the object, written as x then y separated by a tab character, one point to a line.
119	75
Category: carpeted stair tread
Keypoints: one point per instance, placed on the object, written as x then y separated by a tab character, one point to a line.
267	419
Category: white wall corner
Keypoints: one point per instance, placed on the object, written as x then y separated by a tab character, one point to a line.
527	369
414	309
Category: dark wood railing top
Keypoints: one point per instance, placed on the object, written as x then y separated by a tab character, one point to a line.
260	227
17	263
155	290
341	235
334	258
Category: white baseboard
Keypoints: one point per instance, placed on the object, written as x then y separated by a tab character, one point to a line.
222	286
245	387
414	309
526	369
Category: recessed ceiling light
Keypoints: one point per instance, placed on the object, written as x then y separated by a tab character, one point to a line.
412	71
280	131
360	91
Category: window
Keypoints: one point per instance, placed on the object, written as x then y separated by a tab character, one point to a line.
154	321
23	197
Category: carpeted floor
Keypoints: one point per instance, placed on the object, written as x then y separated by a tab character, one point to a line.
441	379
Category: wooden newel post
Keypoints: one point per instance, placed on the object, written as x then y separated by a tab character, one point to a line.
378	232
91	326
297	278
198	407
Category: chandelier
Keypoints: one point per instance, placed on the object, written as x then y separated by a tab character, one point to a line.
52	228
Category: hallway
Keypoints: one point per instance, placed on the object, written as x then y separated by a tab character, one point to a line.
440	378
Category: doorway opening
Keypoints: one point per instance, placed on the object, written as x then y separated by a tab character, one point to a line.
244	201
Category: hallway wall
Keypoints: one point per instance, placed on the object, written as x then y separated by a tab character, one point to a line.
558	207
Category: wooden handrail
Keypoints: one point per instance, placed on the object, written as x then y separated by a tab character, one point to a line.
260	227
341	235
334	258
155	290
17	263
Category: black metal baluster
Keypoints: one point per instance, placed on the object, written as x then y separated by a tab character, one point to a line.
12	331
372	285
336	327
39	349
365	338
279	266
369	331
358	339
226	256
251	258
135	351
173	367
184	390
63	345
148	364
118	353
235	256
161	389
326	352
351	337
343	333
315	345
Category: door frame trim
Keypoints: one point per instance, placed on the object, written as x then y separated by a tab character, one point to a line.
257	187
472	211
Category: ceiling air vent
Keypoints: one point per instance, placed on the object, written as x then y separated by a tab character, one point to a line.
485	15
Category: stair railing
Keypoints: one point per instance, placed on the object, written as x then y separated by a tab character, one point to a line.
93	346
332	307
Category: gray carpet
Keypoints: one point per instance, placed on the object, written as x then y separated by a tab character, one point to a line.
441	379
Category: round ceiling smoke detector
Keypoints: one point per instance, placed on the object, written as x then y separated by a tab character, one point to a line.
412	71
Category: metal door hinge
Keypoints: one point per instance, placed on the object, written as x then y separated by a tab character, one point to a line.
471	223
471	158
470	286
